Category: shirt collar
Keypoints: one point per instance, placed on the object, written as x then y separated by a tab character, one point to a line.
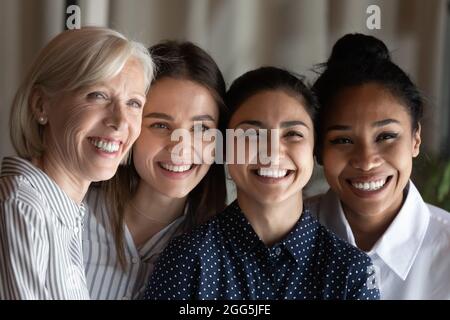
67	210
400	243
242	238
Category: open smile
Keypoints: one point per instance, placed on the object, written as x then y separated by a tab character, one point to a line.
176	171
105	146
272	175
369	186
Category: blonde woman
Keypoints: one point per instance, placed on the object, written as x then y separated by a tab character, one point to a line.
73	119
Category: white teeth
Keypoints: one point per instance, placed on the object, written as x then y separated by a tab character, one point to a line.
272	173
106	146
369	186
176	168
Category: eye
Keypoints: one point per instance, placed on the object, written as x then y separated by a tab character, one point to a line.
294	135
200	127
97	95
159	125
250	132
135	104
386	136
341	141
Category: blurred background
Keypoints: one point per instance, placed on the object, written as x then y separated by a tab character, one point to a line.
245	34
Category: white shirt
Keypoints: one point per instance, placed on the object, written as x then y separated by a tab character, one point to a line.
106	278
412	257
40	236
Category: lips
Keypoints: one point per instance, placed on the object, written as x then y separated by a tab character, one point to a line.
272	175
175	168
369	185
105	144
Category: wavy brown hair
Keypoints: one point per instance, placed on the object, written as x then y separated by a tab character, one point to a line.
179	60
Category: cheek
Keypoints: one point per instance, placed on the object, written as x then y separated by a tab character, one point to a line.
135	125
75	125
203	170
206	150
333	164
236	172
144	152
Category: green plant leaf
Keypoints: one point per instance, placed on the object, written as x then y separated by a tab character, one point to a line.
444	186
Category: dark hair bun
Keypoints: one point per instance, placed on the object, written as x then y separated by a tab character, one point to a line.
358	48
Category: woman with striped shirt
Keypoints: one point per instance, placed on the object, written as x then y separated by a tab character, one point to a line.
156	196
74	118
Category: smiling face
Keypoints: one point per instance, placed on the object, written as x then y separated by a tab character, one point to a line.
163	166
285	177
367	150
89	131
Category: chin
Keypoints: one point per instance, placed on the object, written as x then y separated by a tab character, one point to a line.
176	194
103	175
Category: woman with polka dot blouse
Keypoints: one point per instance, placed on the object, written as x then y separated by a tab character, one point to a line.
265	245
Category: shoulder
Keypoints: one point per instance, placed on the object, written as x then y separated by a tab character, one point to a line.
197	240
340	250
439	229
18	194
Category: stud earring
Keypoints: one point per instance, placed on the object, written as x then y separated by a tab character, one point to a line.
42	120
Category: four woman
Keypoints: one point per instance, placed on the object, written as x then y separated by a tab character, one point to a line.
265	245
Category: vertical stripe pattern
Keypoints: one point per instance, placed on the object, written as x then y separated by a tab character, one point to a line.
40	236
105	277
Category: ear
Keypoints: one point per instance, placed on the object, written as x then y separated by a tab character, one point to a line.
39	103
416	140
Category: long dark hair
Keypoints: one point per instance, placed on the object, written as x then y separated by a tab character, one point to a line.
180	60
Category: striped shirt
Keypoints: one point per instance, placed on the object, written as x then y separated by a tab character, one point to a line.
106	278
40	236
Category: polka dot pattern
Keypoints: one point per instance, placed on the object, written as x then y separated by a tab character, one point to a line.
225	259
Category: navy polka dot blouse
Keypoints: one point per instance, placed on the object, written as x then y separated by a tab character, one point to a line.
225	259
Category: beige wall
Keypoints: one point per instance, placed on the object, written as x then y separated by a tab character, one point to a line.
240	35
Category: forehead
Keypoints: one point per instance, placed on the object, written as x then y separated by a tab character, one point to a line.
365	104
271	107
170	95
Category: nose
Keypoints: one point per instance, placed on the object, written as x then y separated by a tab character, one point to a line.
117	118
270	148
365	158
181	147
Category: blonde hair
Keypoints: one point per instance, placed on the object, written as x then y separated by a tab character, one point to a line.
72	60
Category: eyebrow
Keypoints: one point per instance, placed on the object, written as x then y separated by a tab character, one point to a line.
159	115
105	85
204	117
285	124
384	122
293	123
376	124
251	122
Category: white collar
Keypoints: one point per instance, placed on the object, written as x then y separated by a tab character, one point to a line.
400	243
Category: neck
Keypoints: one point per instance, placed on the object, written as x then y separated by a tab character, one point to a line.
74	187
156	206
149	212
271	222
368	228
